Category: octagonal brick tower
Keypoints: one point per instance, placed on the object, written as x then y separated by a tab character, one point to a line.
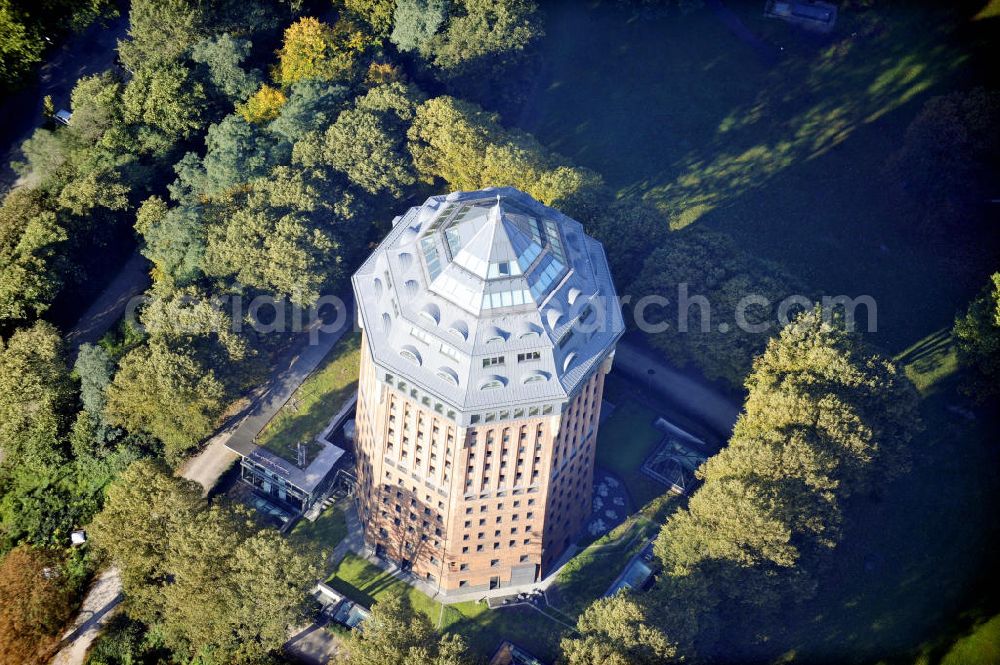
489	321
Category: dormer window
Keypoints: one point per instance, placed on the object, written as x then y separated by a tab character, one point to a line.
410	354
448	376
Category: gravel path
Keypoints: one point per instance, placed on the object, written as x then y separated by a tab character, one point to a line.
98	608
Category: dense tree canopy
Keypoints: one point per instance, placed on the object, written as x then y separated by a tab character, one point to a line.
376	13
315	50
484	31
167	105
166	392
208	578
223	57
467	147
396	634
174	239
94	368
36	600
20	47
696	267
34	391
825	419
415	23
368	143
616	631
30	267
977	333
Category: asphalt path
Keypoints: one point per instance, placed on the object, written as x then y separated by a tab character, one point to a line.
90	52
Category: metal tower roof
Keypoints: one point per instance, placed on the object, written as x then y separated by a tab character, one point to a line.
489	298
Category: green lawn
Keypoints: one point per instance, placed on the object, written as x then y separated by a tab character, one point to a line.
788	160
589	574
484	628
981	647
317	400
362	582
624	440
322	535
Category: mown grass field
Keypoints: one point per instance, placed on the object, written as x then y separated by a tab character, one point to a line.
322	535
482	628
787	156
317	400
588	575
624	441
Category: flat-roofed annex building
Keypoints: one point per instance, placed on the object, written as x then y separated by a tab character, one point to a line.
489	322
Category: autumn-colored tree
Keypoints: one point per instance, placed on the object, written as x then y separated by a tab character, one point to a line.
376	13
468	148
36	601
263	106
314	50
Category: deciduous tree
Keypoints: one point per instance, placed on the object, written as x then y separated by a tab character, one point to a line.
94	367
395	634
167	105
977	336
617	631
315	50
263	106
144	510
34	396
174	239
223	56
469	149
415	22
31	239
825	418
376	13
36	600
166	393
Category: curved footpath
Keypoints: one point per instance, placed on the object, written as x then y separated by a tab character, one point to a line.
292	367
697	398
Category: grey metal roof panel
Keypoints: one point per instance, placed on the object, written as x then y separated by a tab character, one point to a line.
427	319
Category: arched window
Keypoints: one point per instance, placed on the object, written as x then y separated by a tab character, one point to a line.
448	375
535	377
492	382
411	354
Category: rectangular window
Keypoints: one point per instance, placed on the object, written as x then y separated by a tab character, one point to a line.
492	362
421	335
528	356
450	352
